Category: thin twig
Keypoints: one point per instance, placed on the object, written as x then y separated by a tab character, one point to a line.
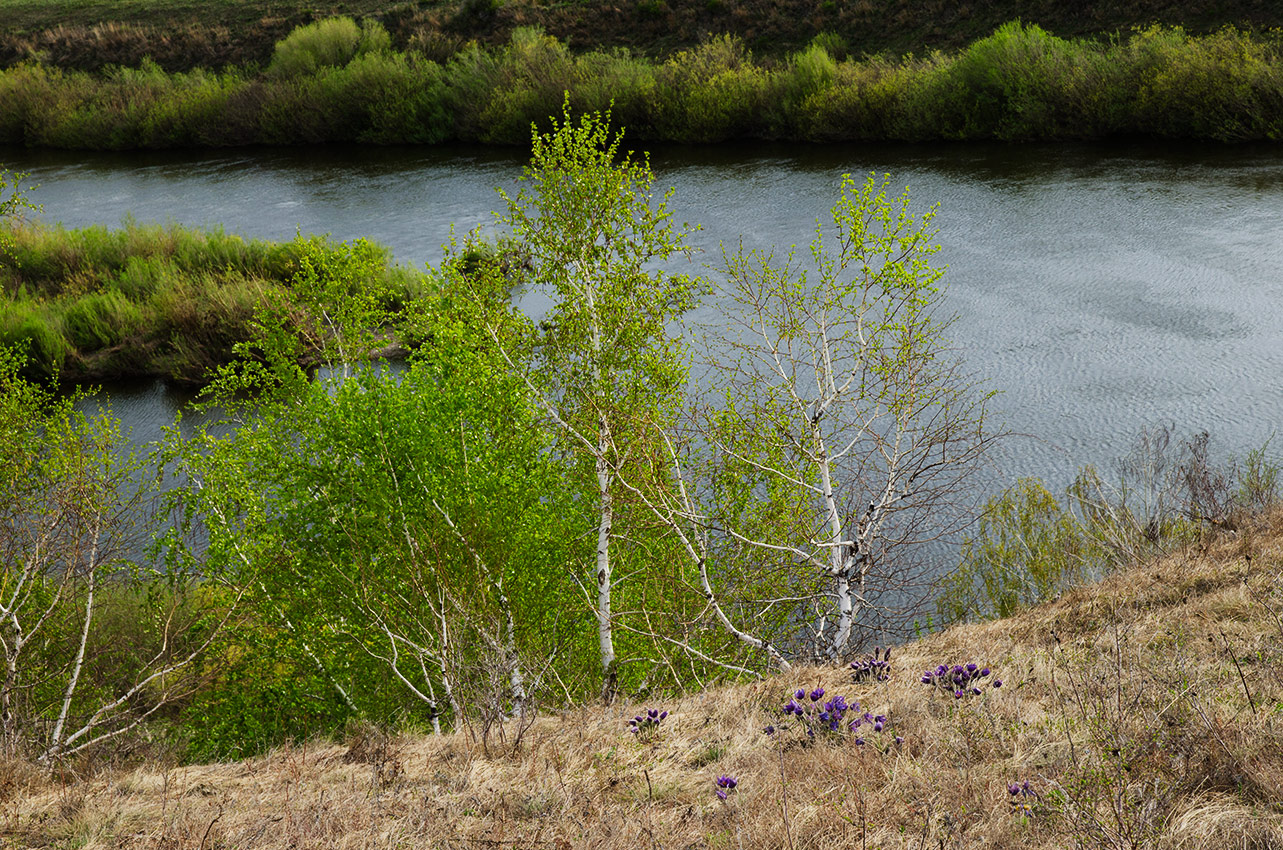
1241	677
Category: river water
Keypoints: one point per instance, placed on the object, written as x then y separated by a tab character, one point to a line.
1098	289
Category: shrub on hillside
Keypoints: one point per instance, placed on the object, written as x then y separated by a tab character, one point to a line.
328	43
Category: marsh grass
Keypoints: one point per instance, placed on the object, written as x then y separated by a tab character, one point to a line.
1122	706
154	300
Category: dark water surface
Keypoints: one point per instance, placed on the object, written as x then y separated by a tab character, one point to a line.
1099	289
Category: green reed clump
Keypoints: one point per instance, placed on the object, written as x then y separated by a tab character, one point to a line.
337	81
150	300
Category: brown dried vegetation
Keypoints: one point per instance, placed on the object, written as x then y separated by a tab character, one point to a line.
182	34
1146	711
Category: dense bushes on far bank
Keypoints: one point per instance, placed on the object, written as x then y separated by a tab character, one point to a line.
164	301
1020	83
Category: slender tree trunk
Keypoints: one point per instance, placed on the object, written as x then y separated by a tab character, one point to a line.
55	741
605	635
839	557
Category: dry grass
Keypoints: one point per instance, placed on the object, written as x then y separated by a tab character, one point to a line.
1146	710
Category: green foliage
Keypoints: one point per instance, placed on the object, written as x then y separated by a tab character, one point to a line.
402	536
1027	550
92	640
13	203
336	81
832	386
605	370
1030	546
332	42
711	93
169	300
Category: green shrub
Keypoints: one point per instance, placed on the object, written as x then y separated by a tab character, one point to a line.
327	43
711	93
1224	86
529	86
619	82
1028	549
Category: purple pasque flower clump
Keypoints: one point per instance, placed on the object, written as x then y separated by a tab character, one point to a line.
647	723
1021	798
872	668
726	786
834	718
960	680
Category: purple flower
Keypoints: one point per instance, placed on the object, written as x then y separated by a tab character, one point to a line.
769	730
899	740
817	694
984	672
997	683
799	694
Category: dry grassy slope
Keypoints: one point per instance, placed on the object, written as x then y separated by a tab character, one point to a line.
1123	694
180	34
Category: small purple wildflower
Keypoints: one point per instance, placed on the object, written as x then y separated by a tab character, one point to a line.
959	680
647	723
875	667
726	786
1021	798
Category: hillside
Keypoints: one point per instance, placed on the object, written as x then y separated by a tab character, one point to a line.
1143	711
181	34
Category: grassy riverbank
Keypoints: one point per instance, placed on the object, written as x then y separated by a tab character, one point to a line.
341	83
169	301
1145	711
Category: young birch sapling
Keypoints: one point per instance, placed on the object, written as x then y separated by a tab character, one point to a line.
841	427
604	364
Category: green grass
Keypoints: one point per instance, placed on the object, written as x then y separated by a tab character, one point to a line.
149	300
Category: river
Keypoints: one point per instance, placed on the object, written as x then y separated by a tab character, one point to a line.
1098	289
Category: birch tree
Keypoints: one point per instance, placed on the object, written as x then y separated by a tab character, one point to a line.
841	428
408	526
594	230
73	521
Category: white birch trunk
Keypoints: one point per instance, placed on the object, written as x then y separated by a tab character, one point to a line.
55	741
605	635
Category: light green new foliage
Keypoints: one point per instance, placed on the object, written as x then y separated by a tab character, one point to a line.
13	203
92	640
605	368
835	398
403	533
327	43
1028	549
